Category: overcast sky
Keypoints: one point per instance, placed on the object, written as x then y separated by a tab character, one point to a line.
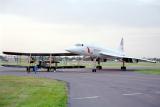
53	25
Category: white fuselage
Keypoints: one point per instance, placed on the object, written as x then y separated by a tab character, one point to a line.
93	51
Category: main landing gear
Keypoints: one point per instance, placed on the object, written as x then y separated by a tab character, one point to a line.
99	67
123	68
94	70
95	67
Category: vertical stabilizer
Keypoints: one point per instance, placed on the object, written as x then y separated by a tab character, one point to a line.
121	46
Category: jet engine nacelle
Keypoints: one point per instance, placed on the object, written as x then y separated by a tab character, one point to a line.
104	60
128	60
101	59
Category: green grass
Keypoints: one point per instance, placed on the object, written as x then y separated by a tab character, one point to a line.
32	92
149	71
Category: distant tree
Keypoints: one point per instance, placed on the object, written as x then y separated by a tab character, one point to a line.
3	58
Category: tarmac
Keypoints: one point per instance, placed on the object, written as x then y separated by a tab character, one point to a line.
104	88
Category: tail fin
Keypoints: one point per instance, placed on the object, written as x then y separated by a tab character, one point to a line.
121	46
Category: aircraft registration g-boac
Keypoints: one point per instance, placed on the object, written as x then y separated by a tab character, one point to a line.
97	54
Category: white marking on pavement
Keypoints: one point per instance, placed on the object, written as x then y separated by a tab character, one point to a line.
80	98
136	78
133	94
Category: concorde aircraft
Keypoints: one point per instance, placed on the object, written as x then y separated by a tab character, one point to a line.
99	54
95	53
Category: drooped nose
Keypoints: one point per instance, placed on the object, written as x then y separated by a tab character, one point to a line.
72	49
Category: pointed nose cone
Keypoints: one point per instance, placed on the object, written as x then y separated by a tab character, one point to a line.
71	49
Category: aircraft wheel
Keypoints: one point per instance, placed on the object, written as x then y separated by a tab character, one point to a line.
28	69
123	68
93	70
99	67
48	69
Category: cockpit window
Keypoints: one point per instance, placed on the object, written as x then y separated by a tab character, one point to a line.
79	44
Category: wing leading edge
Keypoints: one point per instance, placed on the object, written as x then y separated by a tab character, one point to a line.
40	54
125	58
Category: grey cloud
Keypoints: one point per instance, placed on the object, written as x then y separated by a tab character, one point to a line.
136	13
